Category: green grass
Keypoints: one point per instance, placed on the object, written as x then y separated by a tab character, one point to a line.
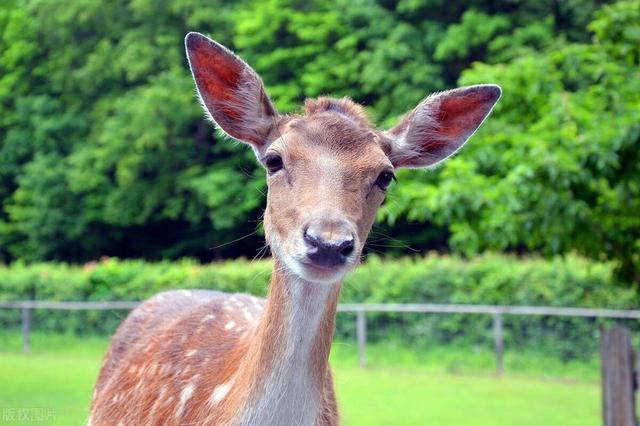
399	387
394	396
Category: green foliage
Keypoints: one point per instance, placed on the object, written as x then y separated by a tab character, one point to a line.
475	30
556	168
104	151
101	138
490	279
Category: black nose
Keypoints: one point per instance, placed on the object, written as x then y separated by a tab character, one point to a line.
328	253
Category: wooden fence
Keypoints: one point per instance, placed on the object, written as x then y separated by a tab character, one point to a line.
619	380
496	311
619	377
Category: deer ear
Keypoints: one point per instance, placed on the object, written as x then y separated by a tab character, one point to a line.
440	125
231	92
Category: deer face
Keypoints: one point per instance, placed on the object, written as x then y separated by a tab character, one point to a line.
326	176
327	168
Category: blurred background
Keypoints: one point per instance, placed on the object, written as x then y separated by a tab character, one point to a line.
113	187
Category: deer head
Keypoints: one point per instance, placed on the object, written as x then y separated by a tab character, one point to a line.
327	168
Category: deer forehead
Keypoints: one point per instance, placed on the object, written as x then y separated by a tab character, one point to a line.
332	142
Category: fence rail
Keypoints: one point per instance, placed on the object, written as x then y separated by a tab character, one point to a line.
490	310
67	306
360	309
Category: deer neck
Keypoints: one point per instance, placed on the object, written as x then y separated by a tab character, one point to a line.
286	365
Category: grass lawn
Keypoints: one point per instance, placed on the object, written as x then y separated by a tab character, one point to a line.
399	387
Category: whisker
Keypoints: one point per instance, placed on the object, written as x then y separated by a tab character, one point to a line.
234	241
261	253
399	245
396	243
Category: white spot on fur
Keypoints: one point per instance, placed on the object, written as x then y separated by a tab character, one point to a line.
229	325
158	400
247	315
184	397
208	317
192	352
221	391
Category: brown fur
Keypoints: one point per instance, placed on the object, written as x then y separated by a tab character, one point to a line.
149	346
208	358
344	106
152	342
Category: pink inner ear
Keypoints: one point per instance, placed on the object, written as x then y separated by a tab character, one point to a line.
440	125
218	74
460	115
231	91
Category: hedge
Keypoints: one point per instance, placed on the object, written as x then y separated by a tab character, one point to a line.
489	279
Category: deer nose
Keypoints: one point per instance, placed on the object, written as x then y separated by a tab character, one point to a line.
329	243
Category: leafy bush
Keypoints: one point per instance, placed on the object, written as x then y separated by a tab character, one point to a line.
490	279
104	150
555	168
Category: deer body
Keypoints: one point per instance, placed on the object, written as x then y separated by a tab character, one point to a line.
278	350
210	358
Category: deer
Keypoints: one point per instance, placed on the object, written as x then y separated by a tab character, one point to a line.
196	357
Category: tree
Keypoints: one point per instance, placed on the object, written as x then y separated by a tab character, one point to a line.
104	150
557	167
97	108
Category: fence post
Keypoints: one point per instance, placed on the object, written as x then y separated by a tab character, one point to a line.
361	330
498	343
637	371
618	393
26	329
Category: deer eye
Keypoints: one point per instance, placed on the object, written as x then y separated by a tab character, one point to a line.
384	179
273	163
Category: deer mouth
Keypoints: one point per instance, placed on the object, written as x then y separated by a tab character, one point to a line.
322	269
313	272
323	273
